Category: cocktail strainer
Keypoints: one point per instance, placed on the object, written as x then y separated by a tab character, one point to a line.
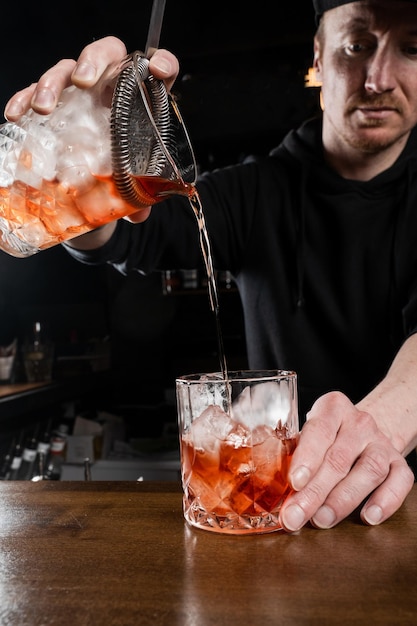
148	136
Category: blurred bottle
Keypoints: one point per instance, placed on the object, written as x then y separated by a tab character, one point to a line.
16	458
189	279
7	461
42	451
57	453
171	281
25	470
40	469
38	354
225	279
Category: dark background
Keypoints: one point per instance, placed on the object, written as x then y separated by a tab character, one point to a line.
241	88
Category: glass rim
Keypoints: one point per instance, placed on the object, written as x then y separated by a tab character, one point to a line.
245	375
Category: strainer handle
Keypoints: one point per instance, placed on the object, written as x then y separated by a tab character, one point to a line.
155	27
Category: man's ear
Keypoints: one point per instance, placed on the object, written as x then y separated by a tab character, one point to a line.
317	61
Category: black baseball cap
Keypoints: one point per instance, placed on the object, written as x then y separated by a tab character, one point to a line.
320	6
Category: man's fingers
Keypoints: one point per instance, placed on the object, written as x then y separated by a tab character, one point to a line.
91	65
341	458
388	498
317	436
95	59
139	216
164	65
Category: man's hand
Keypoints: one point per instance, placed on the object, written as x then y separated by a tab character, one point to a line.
343	457
91	65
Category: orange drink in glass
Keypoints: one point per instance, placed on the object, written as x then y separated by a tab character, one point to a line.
237	438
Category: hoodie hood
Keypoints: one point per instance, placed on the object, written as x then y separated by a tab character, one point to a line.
306	146
303	147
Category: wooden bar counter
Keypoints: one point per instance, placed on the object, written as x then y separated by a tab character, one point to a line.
120	553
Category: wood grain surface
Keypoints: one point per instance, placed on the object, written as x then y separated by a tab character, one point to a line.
120	553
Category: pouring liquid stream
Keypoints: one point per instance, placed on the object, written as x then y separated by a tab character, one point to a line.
205	246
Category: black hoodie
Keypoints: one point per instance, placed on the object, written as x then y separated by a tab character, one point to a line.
326	267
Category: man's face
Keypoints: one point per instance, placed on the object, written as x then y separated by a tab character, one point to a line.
366	59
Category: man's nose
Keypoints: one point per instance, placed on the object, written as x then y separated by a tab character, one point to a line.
380	76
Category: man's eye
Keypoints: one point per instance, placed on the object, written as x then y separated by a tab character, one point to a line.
354	48
411	50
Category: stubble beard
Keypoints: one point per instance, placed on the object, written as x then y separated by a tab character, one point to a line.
372	136
364	135
369	145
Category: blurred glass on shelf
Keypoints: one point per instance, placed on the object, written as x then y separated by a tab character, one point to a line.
8	363
194	280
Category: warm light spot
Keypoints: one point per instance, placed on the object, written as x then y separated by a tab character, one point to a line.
310	78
